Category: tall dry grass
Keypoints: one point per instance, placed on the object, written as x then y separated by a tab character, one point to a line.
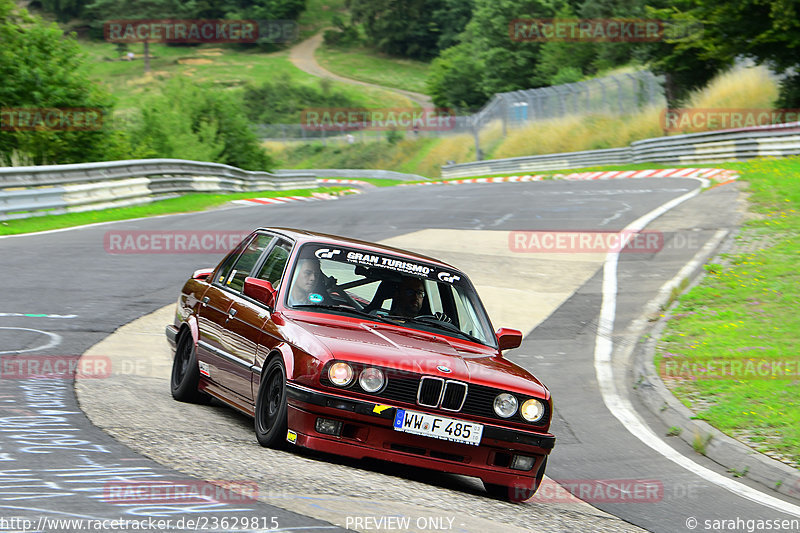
746	88
575	133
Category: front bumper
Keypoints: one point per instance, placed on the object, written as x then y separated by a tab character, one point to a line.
368	431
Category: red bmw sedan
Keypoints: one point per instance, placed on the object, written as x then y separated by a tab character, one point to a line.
362	350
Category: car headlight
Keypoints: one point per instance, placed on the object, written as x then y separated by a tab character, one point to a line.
371	379
340	374
505	405
532	410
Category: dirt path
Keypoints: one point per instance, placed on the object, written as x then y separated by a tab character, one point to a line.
302	56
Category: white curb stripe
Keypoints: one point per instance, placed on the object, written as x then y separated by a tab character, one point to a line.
622	409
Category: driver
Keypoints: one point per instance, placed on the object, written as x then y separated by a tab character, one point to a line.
307	275
408	297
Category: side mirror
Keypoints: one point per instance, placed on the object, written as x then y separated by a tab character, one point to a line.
508	338
261	290
202	274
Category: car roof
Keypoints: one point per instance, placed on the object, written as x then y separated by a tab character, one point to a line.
304	236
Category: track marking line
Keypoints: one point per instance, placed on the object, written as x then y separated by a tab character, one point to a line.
621	407
55	340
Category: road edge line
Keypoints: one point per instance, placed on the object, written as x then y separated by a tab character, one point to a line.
621	407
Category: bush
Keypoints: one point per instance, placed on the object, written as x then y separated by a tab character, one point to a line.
191	121
283	100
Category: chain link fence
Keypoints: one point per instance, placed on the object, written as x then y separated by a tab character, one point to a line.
611	95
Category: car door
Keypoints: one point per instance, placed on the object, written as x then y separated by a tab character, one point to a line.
246	320
220	354
274	271
214	308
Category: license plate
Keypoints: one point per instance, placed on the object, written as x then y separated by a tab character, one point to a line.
438	427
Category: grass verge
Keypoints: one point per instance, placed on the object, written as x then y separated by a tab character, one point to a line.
223	66
745	311
184	204
366	65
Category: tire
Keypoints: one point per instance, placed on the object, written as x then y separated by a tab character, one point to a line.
185	373
271	408
516	494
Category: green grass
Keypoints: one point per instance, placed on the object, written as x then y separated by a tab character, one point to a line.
184	204
225	67
746	309
372	67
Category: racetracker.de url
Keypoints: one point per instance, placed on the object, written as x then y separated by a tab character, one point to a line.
198	523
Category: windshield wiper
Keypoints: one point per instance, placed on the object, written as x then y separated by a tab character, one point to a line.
350	309
433	321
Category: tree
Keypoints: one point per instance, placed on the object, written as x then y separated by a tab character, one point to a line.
64	10
564	62
52	75
453	79
418	29
489	58
397	27
767	31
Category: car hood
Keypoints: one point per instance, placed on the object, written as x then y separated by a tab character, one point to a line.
419	352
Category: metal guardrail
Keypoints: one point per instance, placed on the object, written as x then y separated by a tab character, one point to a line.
612	156
351	173
32	191
55	189
707	147
716	146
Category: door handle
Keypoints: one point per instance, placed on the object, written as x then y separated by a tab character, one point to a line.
232	313
205	300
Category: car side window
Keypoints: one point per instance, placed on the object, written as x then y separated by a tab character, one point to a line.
225	268
247	261
272	270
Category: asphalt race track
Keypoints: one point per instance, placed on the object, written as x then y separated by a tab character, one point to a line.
64	293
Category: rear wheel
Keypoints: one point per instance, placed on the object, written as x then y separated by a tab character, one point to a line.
271	409
185	373
516	493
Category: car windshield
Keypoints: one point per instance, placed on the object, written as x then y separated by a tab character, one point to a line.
388	288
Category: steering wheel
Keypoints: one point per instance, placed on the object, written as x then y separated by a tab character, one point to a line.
441	317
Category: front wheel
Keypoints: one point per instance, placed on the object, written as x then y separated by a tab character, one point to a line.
185	373
270	419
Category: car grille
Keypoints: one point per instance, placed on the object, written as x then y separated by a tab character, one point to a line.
430	391
455	393
434	392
